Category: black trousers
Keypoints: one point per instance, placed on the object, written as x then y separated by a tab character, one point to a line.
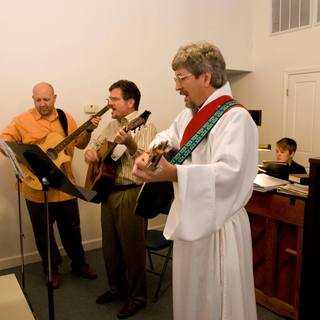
66	214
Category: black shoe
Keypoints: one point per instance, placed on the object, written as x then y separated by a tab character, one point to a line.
108	297
129	309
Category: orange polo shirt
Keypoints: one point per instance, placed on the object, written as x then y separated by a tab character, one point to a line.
30	127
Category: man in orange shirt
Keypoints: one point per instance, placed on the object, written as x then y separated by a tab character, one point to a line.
33	126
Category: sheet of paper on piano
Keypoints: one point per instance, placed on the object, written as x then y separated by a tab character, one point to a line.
264	182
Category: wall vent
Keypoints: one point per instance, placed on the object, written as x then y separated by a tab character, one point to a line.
291	14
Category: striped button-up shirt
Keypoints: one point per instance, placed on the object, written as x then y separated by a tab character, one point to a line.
142	136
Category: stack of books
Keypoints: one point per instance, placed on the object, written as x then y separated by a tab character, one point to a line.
301	178
299	185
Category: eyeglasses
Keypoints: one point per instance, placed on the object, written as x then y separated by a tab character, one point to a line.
114	99
178	78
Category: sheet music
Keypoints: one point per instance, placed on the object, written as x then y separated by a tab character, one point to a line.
264	183
10	154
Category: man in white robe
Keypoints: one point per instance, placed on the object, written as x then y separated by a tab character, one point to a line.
212	256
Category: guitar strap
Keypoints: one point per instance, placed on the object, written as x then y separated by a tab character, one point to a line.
63	120
201	124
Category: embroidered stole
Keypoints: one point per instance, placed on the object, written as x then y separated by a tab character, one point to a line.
200	125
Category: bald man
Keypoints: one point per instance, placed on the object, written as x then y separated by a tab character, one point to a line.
33	126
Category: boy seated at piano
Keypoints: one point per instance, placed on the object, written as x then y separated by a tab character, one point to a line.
285	150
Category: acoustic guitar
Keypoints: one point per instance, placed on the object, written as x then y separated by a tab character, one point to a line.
147	204
101	175
54	146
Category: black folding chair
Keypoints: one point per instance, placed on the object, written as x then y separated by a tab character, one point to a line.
155	242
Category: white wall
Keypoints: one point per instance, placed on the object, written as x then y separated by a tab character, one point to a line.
272	57
81	47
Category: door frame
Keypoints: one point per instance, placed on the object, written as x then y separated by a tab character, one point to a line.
286	75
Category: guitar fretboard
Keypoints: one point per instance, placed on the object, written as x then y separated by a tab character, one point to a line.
59	147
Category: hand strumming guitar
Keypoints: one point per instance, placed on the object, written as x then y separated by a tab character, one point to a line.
145	170
91	155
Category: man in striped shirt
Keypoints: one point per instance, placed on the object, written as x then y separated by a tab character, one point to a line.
123	233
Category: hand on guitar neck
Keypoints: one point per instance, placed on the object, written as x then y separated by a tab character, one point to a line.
152	166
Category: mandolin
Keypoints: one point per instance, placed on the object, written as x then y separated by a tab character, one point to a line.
54	146
101	175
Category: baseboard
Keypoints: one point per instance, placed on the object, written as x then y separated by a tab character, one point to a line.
14	261
32	257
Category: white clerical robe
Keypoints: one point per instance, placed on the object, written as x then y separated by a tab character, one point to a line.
212	255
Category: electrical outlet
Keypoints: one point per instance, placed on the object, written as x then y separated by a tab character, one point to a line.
91	108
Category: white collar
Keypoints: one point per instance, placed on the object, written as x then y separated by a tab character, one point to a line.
225	90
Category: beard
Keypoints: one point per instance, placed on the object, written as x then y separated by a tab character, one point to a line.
45	111
189	103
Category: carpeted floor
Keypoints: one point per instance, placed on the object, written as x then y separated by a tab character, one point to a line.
75	299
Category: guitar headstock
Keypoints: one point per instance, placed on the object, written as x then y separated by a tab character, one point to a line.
138	121
156	153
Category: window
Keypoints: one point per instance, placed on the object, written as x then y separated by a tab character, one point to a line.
291	14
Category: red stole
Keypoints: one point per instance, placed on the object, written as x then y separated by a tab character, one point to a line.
201	117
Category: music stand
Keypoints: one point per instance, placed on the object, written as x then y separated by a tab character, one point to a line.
20	231
50	176
18	174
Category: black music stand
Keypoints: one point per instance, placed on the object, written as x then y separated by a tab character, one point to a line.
19	175
50	176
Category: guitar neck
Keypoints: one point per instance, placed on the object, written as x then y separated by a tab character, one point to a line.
59	147
157	152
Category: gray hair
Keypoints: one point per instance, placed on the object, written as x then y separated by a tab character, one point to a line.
199	58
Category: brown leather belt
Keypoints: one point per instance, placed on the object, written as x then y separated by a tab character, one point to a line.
124	187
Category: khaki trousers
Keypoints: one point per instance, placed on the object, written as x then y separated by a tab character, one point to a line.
123	243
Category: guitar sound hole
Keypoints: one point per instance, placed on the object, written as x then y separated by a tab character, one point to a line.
53	155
